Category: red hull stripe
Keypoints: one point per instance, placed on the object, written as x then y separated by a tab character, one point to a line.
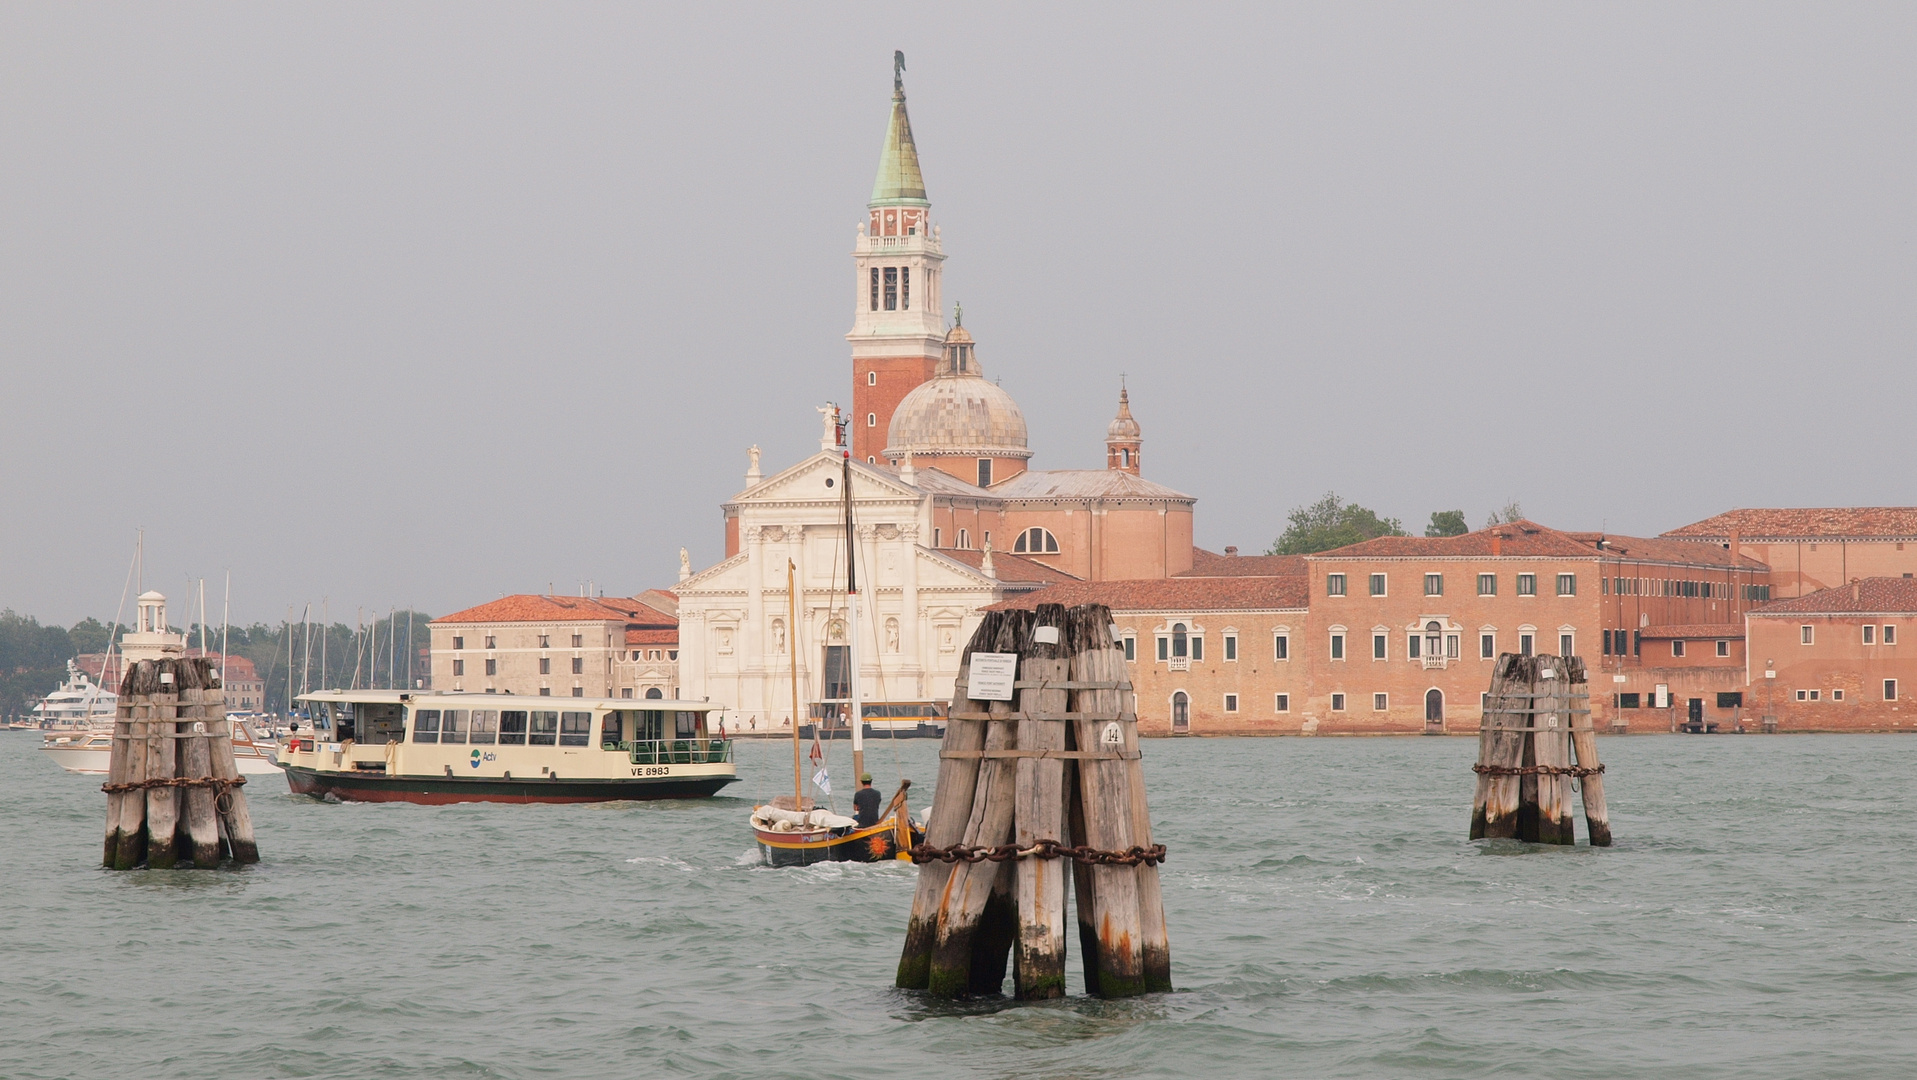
435	791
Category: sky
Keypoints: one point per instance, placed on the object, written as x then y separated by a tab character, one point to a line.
417	305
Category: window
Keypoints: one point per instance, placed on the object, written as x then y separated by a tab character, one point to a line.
1451	646
1380	702
578	691
871	378
1337	646
1197	647
545	641
938	538
985	472
1035	541
485	729
1377	646
578	665
1413	647
1164	647
1890	634
1567	584
1837	695
1637	643
1434	584
1803	695
871	419
1607	643
545	665
1870	634
965	540
1281	646
905	288
1282	702
459	667
1231	702
1807	634
452	726
1334	584
1487	646
578	640
1527	584
1723	648
625	691
1131	647
1628	701
512	728
1524	644
489	641
544	729
1677	648
1890	689
891	288
426	726
672	654
1567	646
492	667
1813	694
1734	700
1377	584
1231	647
459	642
875	288
1487	584
545	691
1180	642
1337	703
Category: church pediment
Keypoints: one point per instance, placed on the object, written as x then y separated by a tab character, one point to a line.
806	482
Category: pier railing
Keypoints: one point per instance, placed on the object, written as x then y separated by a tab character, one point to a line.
676	751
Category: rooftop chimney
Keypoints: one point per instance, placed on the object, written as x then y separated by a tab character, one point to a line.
1231	551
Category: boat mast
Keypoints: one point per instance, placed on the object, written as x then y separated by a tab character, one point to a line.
852	609
792	649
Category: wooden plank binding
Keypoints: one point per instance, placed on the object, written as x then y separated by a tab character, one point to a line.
1055	755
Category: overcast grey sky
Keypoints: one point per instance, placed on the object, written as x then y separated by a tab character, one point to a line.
421	304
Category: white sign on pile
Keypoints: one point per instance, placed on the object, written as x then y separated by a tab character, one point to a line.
992	676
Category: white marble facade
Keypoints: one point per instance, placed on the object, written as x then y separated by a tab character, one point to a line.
918	606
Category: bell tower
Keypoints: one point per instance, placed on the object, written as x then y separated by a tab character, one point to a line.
1122	437
898	333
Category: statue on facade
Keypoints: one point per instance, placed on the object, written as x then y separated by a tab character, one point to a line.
685	564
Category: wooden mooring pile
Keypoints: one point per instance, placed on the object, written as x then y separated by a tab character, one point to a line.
173	790
1535	741
1039	776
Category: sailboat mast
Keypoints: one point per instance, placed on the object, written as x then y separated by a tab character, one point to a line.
852	610
792	649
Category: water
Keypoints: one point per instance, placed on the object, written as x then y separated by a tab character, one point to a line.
1757	918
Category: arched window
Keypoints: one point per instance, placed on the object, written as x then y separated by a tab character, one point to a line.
1181	712
653	694
871	419
1434	639
1181	643
1035	541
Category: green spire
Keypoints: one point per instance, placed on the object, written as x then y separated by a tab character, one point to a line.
899	180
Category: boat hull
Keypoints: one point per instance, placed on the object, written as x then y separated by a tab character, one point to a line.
438	790
92	761
874	844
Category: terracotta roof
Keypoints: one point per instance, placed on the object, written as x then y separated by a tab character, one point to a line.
1693	631
1009	568
534	608
926	478
1873	596
1085	484
1528	539
1211	564
1171	594
1757	524
652	637
664	601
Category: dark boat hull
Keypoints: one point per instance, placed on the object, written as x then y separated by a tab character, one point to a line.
875	844
920	731
433	790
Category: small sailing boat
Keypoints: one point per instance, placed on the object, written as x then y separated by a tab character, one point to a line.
793	830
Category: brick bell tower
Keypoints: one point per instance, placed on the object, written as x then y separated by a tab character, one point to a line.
898	333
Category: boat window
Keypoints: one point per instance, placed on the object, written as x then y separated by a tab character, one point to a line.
452	726
575	728
609	732
688	725
652	726
512	727
426	725
485	727
545	728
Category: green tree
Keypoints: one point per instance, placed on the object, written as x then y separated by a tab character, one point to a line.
89	635
1332	523
33	660
1447	523
1511	512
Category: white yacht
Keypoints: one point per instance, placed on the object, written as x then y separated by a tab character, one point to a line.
78	703
91	751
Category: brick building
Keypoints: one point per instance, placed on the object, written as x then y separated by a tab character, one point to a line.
561	646
1815	548
1838	659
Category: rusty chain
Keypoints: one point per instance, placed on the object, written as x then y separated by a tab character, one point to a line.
1538	770
176	781
1041	849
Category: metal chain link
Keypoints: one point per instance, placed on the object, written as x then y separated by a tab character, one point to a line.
1537	770
175	781
1041	849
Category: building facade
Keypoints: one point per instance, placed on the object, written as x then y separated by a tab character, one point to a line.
1838	659
1815	548
561	646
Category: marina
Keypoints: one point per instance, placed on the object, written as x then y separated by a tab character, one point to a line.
1330	920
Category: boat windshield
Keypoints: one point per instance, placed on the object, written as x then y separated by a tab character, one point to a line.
644	725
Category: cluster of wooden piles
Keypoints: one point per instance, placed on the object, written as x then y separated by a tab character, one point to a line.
1027	790
1535	741
173	790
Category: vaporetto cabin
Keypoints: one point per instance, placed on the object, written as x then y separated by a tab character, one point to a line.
440	747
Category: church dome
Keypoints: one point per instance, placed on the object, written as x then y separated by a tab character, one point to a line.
1123	427
958	413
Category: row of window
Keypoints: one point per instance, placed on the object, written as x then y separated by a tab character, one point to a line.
1526	585
893	286
1873	634
504	727
1709	590
1180	644
545	641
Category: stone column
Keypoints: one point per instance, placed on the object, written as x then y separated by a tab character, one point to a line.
752	672
909	636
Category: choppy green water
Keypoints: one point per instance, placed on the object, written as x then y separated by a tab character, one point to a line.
1758	918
